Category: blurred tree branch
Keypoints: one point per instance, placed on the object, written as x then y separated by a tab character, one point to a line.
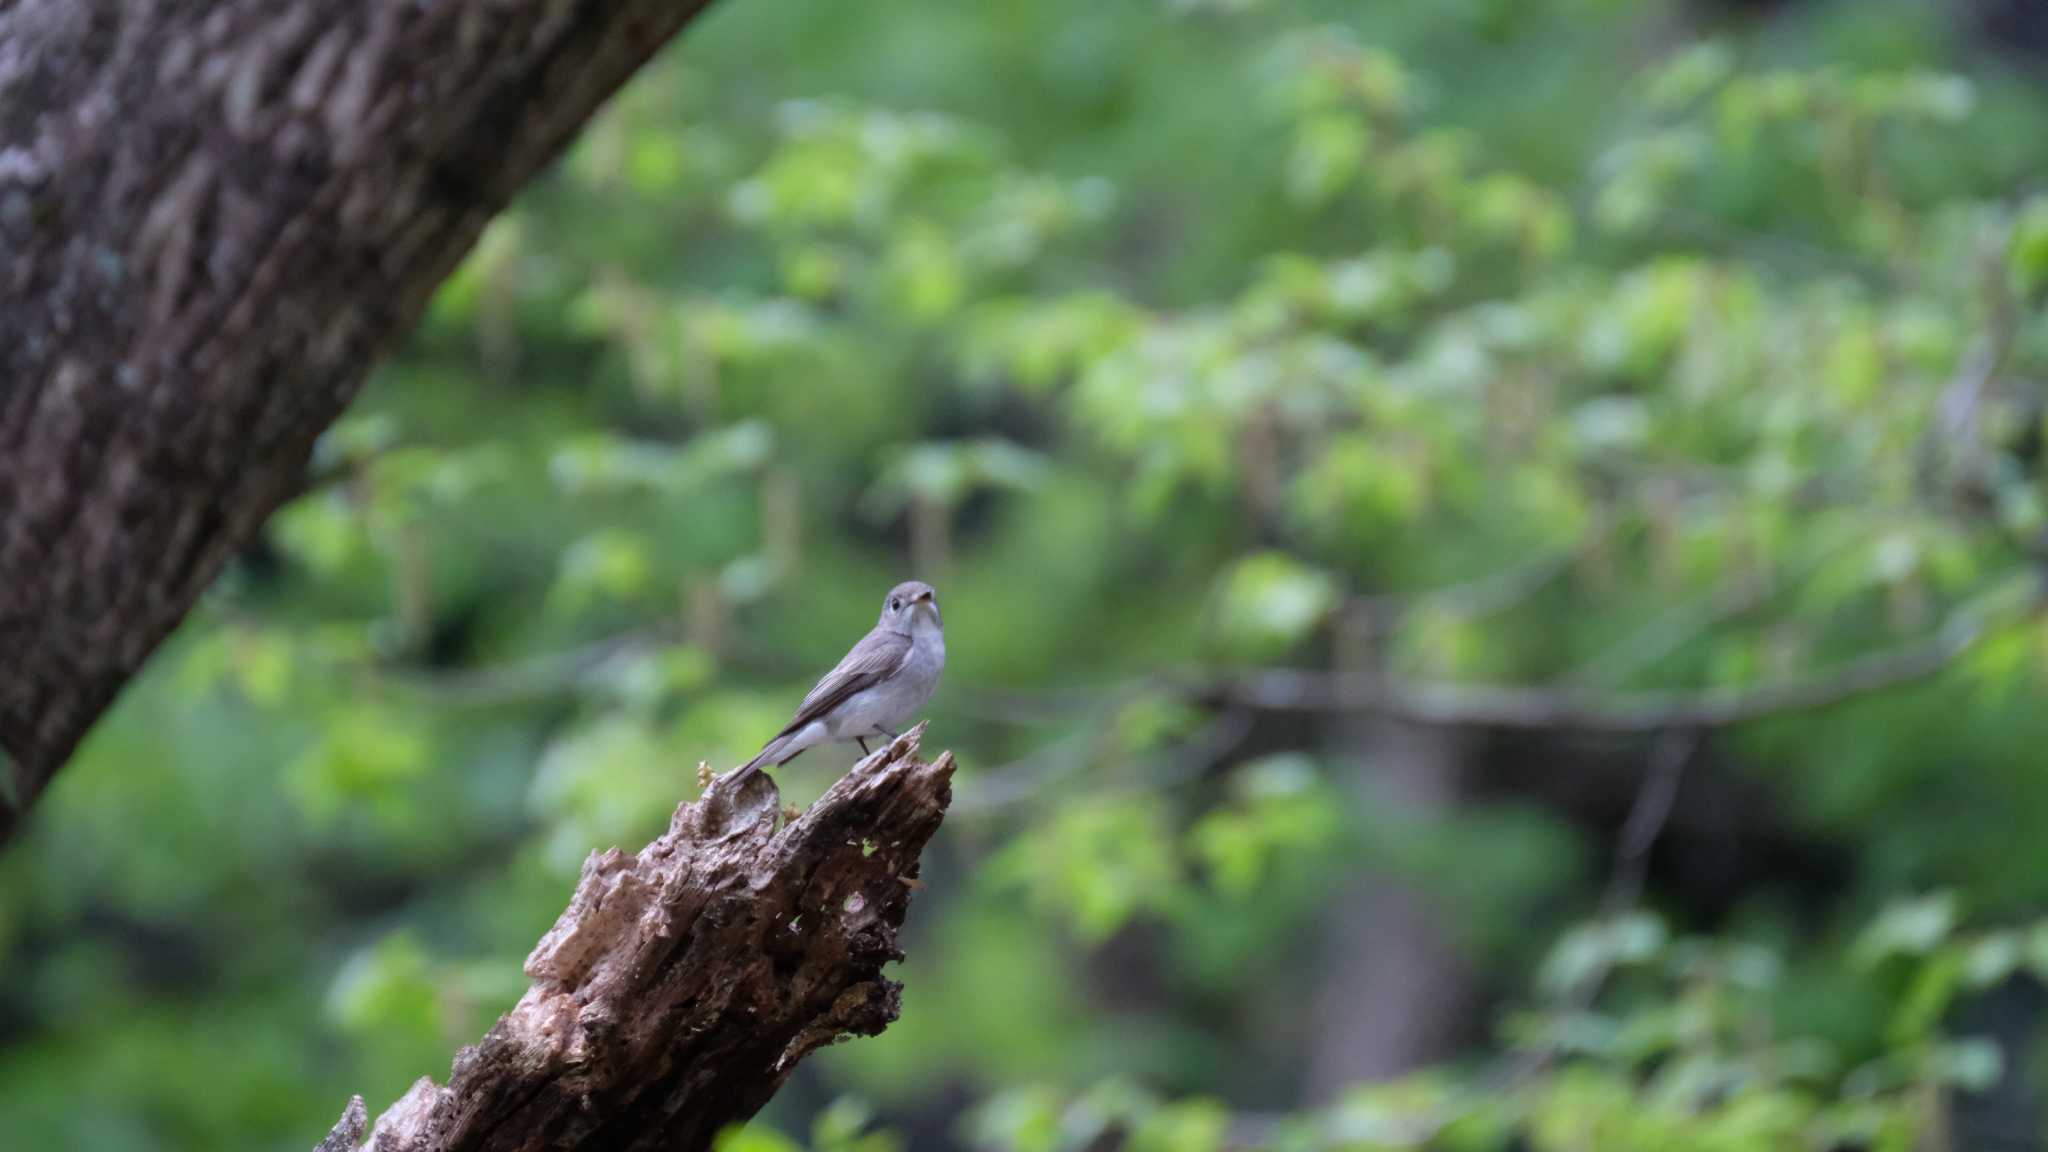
683	983
1656	796
1037	774
1569	708
214	216
1639	713
542	675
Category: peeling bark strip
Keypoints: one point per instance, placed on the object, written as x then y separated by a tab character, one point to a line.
684	982
214	215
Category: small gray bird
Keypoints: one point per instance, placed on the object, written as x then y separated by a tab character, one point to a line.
878	687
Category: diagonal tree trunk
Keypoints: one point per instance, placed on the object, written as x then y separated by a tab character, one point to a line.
214	215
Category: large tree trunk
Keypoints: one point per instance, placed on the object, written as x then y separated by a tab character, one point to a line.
214	215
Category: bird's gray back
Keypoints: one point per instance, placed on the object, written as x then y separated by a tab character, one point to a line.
872	661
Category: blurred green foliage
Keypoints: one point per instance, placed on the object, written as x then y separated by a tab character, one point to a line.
1553	342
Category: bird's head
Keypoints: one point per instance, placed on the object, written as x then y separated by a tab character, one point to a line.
911	606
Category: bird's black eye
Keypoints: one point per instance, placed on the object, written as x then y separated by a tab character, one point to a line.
895	604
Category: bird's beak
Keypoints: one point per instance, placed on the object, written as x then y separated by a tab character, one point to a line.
925	598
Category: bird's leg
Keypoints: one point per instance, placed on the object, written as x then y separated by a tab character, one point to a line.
863	745
891	735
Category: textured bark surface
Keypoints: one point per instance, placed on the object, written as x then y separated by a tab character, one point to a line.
684	982
347	1133
214	214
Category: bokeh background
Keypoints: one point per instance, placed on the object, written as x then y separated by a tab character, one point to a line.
1489	550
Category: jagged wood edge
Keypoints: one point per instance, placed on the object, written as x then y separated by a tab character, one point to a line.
684	982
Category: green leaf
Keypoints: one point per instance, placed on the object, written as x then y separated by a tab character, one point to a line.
1971	1065
1991	959
1595	949
1909	928
1183	1126
1269	602
2029	250
1024	1119
1927	999
608	565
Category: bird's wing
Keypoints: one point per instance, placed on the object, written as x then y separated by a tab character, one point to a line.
873	660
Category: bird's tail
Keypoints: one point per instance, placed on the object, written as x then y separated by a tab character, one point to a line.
770	756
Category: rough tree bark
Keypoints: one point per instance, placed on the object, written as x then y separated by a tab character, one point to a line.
214	214
684	981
